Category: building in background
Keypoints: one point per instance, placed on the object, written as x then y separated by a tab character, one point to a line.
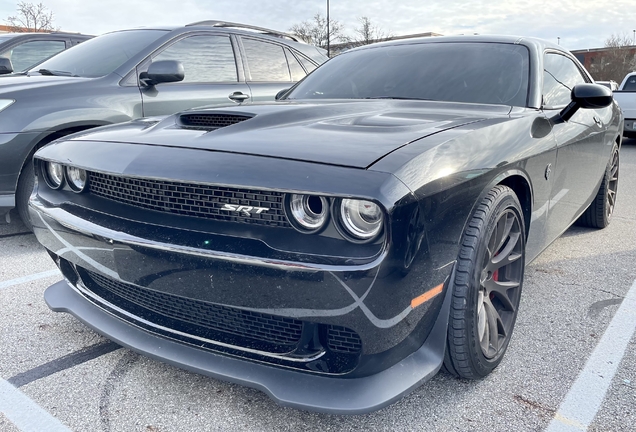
608	63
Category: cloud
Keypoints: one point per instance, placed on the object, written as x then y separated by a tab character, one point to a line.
578	24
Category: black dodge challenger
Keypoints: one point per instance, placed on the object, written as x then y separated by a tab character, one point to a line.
335	248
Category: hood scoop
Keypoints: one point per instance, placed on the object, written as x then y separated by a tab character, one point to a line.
209	120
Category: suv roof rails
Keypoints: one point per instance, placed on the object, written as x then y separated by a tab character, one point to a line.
271	32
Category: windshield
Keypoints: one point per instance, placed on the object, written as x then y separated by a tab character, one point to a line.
101	55
492	73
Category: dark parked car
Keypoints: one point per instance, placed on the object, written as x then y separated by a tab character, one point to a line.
335	248
21	51
129	74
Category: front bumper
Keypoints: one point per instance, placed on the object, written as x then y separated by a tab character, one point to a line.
286	387
401	343
7	202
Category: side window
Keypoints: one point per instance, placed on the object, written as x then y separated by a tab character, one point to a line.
267	62
560	75
297	71
30	53
205	58
309	66
630	84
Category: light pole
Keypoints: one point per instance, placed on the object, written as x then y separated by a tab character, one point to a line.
328	50
634	36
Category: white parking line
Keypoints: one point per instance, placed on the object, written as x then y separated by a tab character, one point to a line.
578	409
29	278
25	414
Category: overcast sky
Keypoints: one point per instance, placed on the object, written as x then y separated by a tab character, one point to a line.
578	23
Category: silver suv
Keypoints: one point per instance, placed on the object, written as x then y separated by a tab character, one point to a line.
124	75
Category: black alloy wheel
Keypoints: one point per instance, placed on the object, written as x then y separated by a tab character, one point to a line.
600	211
487	286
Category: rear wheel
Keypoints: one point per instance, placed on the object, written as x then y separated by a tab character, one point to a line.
599	213
487	286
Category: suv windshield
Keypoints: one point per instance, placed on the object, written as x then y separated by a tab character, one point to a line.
100	56
492	73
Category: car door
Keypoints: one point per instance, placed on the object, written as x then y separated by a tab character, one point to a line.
580	142
269	68
24	55
211	76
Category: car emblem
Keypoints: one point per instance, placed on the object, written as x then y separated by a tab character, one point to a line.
246	210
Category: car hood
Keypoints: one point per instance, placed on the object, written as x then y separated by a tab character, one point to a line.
10	84
345	133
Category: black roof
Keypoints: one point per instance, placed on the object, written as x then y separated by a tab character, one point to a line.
539	44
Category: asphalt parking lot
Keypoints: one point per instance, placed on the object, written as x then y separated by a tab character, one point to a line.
578	304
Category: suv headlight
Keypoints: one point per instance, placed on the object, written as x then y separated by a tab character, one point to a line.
4	103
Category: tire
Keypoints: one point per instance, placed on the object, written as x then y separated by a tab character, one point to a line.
26	182
487	286
599	213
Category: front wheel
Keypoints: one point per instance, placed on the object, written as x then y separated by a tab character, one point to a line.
487	286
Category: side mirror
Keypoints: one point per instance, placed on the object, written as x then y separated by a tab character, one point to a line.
281	93
162	71
6	67
587	96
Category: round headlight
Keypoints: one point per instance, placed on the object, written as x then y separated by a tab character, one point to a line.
76	178
309	211
54	174
362	219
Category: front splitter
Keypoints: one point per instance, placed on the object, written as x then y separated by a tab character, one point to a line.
286	387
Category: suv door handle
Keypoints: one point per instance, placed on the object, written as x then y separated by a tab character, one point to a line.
238	97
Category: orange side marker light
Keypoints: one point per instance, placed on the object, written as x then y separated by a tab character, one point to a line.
427	296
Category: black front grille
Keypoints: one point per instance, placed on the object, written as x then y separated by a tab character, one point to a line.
202	315
189	199
342	339
210	121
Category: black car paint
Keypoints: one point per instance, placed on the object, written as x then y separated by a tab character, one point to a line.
47	107
427	179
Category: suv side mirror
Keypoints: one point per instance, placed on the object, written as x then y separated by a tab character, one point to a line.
587	96
162	71
281	93
6	67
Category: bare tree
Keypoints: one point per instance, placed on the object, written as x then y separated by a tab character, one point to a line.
31	18
368	33
315	32
618	59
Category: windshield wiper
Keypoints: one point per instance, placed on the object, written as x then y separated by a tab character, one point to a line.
55	73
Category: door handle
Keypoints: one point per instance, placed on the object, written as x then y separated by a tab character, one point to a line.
238	97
